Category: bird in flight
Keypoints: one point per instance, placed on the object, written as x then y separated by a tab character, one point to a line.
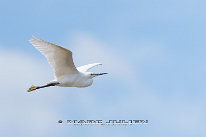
65	72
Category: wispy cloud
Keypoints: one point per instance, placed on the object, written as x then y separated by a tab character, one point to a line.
175	112
36	113
24	113
87	49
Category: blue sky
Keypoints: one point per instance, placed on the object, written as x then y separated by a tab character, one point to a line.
153	50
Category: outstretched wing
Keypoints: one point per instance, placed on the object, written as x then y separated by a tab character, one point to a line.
59	58
87	67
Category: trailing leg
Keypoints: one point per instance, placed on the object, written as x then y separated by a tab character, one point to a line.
38	87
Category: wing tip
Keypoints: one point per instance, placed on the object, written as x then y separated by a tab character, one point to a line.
35	37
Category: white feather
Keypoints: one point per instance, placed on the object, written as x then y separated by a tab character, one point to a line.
87	67
59	58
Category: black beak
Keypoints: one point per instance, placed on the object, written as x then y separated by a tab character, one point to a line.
98	74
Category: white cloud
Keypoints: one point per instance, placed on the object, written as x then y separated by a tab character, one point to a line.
87	49
24	113
36	113
174	114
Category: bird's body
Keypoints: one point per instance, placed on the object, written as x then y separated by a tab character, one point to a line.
75	80
60	59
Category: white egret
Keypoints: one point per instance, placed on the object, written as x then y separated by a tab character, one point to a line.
60	59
